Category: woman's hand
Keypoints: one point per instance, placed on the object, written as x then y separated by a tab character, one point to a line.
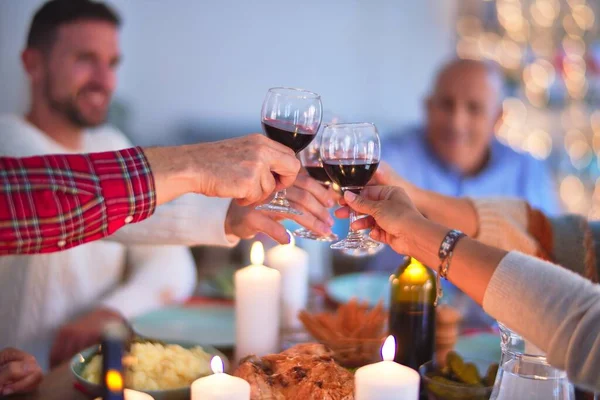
391	214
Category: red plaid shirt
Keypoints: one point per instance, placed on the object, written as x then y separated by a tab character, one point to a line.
51	203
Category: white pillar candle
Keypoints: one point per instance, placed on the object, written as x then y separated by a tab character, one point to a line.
292	263
257	293
220	386
386	380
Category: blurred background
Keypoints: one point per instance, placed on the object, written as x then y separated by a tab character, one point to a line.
198	70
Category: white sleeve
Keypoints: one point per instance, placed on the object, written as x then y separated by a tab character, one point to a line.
190	220
553	308
161	275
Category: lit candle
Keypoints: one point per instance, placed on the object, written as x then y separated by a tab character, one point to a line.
220	386
257	293
386	380
292	263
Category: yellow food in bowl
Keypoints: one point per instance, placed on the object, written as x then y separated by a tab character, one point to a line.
153	366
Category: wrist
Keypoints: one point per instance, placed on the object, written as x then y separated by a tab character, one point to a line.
173	171
425	240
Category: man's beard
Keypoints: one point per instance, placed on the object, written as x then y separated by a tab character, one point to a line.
68	108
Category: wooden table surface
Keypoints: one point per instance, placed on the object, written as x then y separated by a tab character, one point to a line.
57	385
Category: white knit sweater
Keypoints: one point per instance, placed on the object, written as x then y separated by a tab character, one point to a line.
552	307
39	293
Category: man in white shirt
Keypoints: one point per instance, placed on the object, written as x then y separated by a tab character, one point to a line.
53	305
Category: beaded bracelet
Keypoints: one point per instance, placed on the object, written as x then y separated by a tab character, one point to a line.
445	254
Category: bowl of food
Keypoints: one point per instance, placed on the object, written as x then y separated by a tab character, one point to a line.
459	379
355	332
163	370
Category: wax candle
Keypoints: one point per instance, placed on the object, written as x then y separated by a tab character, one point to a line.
220	386
257	293
386	380
292	263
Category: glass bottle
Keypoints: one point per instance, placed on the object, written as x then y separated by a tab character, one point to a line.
412	313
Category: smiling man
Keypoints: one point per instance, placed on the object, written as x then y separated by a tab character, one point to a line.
53	305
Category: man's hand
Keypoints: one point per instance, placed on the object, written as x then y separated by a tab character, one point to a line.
248	169
19	372
307	195
79	334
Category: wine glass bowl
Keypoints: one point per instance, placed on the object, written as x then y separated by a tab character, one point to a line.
310	158
291	117
350	153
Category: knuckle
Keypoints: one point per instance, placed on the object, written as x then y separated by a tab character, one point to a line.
13	369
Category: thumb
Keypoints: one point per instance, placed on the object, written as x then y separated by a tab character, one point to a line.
360	204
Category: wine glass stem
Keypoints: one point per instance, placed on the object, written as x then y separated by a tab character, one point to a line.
280	195
353	217
354	235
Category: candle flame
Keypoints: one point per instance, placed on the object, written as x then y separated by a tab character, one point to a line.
388	350
257	254
216	364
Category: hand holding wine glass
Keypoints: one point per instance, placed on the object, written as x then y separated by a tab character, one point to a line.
311	161
291	117
350	154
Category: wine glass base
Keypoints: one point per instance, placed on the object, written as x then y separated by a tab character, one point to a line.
281	206
356	241
306	234
363	252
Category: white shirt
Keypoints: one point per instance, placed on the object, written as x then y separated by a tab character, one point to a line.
40	293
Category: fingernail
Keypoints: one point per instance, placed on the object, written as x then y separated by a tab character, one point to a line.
330	203
350	196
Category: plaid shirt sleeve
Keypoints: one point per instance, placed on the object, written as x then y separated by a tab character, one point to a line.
51	203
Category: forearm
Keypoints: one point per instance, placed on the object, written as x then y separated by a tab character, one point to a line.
552	307
473	263
171	168
457	213
555	309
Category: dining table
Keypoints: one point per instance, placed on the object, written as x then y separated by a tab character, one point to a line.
58	384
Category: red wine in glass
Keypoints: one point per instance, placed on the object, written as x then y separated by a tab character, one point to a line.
318	173
350	153
291	117
288	135
351	174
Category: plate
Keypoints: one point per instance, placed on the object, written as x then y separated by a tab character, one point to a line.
212	325
371	287
485	346
79	361
366	286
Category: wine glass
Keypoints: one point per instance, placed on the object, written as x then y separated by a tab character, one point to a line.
311	161
350	154
291	117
